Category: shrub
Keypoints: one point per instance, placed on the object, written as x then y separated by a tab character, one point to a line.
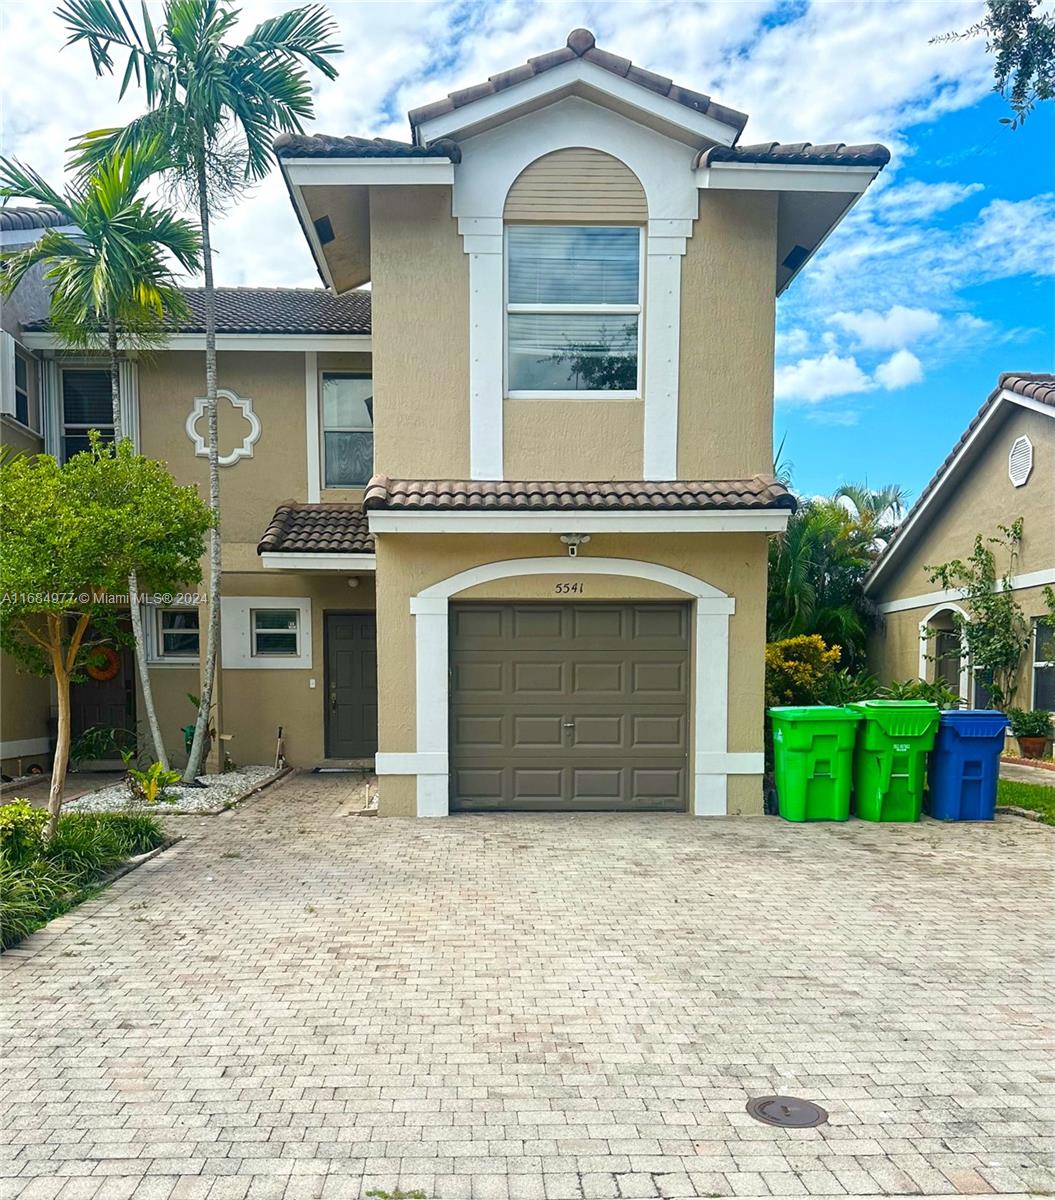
39	880
148	787
30	895
938	692
799	670
21	827
1031	723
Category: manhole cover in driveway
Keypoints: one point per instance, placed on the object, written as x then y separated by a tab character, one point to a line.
787	1111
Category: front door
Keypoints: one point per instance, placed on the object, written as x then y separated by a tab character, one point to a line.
107	703
351	685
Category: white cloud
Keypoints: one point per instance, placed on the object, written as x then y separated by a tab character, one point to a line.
814	379
792	342
898	326
915	200
401	54
900	370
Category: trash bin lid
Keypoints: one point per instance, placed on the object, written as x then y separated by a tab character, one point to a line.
813	712
899	718
867	706
974	722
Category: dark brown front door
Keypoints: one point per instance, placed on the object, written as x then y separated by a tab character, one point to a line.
106	703
351	685
569	706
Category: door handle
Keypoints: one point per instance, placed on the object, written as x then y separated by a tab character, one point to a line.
568	725
333	698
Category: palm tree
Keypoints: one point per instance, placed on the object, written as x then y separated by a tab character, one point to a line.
113	274
217	105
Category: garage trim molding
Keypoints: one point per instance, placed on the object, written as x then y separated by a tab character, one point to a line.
713	608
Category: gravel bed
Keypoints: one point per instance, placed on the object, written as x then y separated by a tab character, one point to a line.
219	792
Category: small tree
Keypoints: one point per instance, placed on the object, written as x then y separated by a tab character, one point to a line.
73	535
112	275
216	105
995	631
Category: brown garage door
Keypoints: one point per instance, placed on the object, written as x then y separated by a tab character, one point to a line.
569	706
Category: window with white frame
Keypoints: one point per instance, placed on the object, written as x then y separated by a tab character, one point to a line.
26	410
573	311
348	429
177	633
87	404
1043	665
275	632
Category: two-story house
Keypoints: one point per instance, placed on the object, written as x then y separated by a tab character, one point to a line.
532	575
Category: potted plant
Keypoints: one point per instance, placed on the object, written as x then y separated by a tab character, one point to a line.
1032	728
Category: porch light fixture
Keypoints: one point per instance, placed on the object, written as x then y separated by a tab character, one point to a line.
573	541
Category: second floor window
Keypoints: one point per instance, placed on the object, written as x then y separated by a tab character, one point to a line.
348	430
25	409
86	404
573	310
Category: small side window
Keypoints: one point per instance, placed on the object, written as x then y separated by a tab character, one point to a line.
348	430
178	632
1043	665
275	632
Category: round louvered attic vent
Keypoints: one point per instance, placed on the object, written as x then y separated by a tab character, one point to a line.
1020	461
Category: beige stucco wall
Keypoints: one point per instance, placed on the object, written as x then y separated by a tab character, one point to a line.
407	563
980	499
728	312
895	648
574	439
18	437
420	281
25	702
976	502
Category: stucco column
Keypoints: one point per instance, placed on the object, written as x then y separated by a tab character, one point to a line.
662	328
431	705
482	241
710	794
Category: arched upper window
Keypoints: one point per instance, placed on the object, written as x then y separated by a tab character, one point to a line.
574	245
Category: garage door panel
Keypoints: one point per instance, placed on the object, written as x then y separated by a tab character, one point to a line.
537	731
543	678
657	730
607	731
569	706
661	678
477	679
479	731
538	783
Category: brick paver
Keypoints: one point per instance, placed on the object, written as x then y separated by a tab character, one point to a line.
295	1002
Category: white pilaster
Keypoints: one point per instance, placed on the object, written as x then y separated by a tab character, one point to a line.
662	347
710	796
311	425
482	240
430	630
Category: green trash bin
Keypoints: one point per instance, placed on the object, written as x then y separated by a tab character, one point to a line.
813	761
890	762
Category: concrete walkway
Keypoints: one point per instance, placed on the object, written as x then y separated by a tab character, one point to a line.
298	1003
1026	774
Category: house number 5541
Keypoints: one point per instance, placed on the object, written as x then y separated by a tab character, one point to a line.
570	589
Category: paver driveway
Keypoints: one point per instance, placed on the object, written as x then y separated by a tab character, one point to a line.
297	1003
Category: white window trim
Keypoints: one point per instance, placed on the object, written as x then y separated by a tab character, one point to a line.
236	643
714	762
491	163
637	310
1036	663
323	429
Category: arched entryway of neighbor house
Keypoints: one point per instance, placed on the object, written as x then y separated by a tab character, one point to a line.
942	652
711	611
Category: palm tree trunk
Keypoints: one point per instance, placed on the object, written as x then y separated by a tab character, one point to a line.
201	725
133	586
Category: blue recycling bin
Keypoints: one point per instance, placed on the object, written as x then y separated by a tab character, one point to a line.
965	765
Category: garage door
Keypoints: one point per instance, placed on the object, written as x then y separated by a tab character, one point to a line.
569	706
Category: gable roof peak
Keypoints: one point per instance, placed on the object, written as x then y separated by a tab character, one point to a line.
581	44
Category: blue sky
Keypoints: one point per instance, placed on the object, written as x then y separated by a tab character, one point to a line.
891	337
968	313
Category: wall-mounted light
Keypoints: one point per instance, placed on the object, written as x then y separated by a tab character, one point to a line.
573	541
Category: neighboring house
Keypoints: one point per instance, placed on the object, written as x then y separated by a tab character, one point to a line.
1002	468
533	574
